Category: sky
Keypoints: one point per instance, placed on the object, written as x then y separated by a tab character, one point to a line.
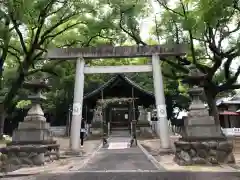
146	23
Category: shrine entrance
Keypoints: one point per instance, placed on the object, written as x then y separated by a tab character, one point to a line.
119	117
82	55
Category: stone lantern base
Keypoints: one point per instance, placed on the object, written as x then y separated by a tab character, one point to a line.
204	152
32	143
34	129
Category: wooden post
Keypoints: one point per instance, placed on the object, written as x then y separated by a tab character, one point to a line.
110	120
130	116
104	127
134	133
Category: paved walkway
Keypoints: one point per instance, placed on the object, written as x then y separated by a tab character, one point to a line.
118	156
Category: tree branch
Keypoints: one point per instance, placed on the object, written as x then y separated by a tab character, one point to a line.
230	81
15	55
58	33
232	87
50	71
164	4
59	9
227	65
156	29
137	40
224	34
22	42
44	69
179	67
216	65
15	49
236	5
48	31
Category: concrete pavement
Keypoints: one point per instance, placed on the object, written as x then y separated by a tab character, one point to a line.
144	175
119	156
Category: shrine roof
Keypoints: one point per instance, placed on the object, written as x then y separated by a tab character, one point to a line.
114	80
229	113
235	100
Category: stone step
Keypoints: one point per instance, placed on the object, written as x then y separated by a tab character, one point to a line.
119	128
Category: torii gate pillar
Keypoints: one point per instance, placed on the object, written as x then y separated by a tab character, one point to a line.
162	124
77	106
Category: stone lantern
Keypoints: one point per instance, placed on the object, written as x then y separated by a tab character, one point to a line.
198	124
202	141
34	128
32	142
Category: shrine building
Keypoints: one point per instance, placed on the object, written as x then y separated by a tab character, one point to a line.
124	96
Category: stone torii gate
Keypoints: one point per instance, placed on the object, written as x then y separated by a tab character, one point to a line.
83	54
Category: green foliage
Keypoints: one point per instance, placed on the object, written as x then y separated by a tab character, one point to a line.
211	29
23	103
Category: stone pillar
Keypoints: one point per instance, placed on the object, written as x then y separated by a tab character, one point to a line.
160	103
109	128
77	106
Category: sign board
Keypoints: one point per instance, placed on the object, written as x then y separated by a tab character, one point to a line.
117	69
231	131
161	110
77	109
236	131
116	52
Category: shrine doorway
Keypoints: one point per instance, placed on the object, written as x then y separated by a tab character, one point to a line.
119	117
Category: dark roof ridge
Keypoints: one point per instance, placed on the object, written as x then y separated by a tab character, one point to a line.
114	78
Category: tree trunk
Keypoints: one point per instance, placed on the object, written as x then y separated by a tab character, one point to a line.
68	123
9	97
13	91
213	110
2	119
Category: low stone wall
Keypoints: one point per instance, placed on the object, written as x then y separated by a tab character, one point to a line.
205	152
58	131
16	157
145	131
96	131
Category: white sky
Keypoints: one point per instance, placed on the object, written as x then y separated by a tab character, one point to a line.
146	24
